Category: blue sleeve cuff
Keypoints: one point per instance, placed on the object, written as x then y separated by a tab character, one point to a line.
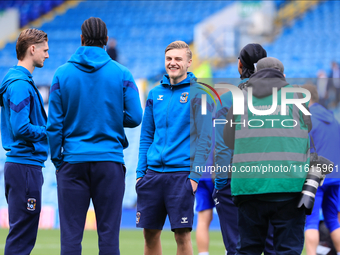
220	183
57	164
195	179
195	176
140	174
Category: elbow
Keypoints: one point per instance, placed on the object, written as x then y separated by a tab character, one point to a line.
25	132
138	120
139	117
20	132
134	122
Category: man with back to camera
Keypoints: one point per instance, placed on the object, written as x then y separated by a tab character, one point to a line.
23	133
205	205
175	138
326	136
225	207
92	99
271	196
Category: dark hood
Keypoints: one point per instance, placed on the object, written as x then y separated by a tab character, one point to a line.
265	80
90	58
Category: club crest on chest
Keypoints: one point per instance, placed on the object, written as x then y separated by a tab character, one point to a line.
184	97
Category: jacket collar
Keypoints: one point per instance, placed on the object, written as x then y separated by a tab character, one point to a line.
190	78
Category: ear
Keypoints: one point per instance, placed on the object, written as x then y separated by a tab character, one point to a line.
240	65
107	40
32	49
82	40
189	63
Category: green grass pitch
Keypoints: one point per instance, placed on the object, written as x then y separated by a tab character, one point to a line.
131	242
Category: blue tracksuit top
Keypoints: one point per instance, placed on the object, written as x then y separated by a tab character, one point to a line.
92	99
223	154
326	136
23	119
175	135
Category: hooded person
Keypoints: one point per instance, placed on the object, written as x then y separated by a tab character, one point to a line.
92	99
326	136
249	56
226	209
265	148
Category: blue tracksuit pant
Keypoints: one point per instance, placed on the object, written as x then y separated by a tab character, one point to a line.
104	182
227	213
23	194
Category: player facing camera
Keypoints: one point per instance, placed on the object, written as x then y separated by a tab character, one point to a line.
319	167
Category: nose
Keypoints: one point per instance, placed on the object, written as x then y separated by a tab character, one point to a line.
172	62
47	55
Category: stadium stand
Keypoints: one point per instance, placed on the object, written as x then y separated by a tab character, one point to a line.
308	45
142	30
30	10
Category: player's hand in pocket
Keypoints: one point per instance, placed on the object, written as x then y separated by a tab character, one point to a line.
193	185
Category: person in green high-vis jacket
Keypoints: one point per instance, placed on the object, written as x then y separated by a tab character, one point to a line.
270	162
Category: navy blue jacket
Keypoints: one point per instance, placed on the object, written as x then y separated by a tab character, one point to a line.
92	99
175	135
23	119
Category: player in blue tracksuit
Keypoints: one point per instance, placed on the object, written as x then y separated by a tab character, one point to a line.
326	137
92	99
205	204
175	143
226	210
23	133
225	207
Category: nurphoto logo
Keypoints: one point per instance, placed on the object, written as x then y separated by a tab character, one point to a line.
274	109
238	100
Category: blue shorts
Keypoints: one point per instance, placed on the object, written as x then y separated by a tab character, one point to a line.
204	192
161	194
327	198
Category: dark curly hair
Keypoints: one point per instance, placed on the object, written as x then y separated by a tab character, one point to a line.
94	32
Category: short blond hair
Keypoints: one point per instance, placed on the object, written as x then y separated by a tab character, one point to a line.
179	45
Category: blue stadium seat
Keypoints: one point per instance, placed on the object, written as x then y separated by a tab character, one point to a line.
311	43
30	10
141	28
